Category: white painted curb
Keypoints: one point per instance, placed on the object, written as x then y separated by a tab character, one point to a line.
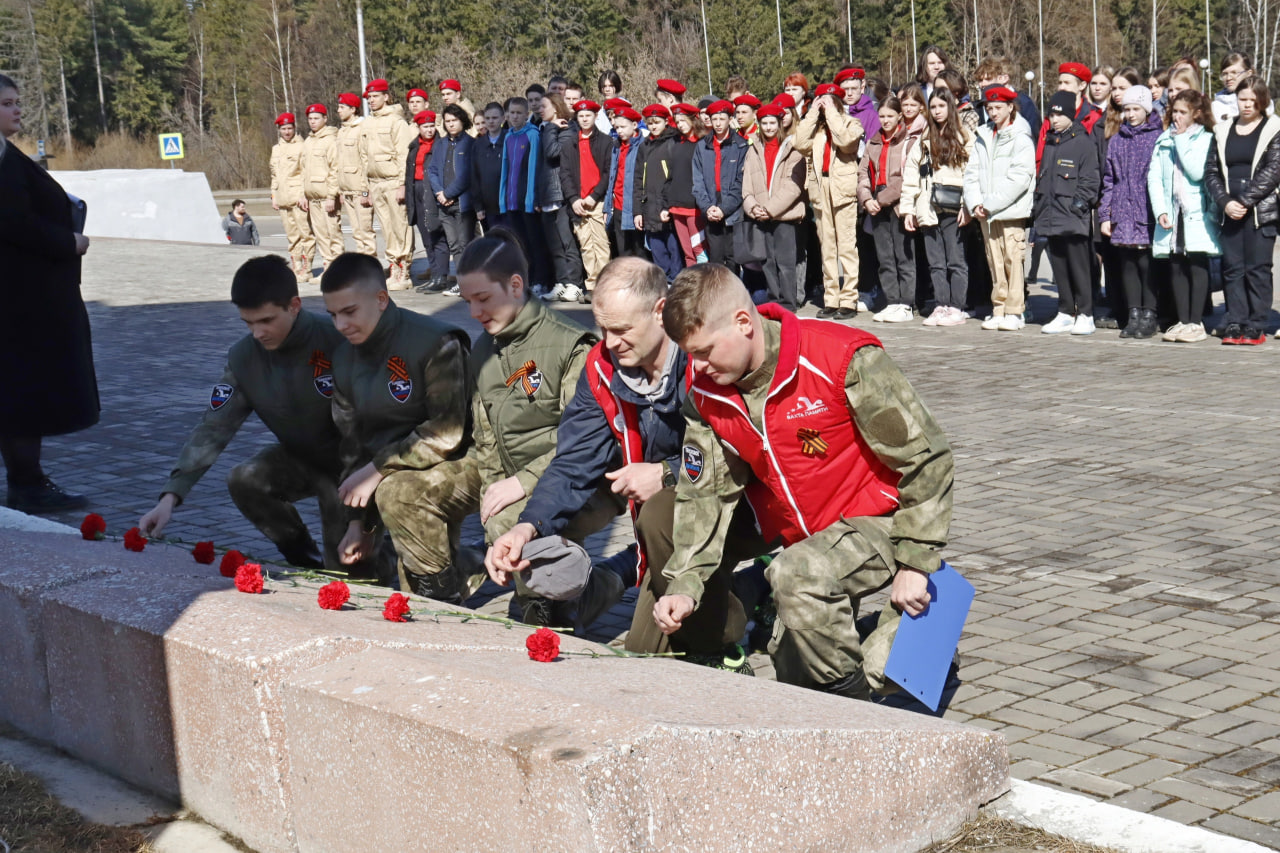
1082	819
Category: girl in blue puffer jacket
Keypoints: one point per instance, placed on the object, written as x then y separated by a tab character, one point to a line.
1186	219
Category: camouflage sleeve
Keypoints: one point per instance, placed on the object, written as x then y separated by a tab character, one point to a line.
447	382
227	409
710	484
530	474
903	434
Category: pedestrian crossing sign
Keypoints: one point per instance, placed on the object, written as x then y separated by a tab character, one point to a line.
171	146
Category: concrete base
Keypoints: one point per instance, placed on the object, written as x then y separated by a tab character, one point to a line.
147	204
294	728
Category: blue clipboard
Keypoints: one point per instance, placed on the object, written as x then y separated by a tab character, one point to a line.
926	644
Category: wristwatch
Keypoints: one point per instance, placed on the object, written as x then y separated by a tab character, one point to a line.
668	477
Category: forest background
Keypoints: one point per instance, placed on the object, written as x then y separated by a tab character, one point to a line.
100	78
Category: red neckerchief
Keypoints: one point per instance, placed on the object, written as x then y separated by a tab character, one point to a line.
826	154
715	143
771	148
424	148
879	172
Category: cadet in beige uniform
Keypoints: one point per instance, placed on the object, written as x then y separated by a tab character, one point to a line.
320	183
353	188
286	193
385	138
451	93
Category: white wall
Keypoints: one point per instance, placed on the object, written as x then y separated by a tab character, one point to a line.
147	204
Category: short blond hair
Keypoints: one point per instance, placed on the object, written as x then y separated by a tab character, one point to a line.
702	294
645	281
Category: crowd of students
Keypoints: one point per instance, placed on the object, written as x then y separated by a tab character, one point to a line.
920	202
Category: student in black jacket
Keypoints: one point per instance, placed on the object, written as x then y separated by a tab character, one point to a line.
584	179
652	185
421	207
1066	193
486	168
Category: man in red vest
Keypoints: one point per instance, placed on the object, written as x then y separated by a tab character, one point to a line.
835	453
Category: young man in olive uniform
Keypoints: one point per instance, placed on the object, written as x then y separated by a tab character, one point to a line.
843	465
320	183
286	195
385	138
282	372
353	186
401	402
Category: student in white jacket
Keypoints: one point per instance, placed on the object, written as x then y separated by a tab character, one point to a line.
999	186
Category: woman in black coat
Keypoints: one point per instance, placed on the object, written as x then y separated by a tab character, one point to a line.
47	383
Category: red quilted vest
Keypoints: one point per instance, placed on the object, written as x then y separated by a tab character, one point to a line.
811	464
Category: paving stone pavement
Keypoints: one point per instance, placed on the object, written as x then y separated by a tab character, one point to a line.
1117	508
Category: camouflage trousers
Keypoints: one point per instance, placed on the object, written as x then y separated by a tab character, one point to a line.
424	511
265	489
817	586
720	619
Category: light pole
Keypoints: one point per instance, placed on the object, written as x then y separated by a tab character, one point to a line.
364	68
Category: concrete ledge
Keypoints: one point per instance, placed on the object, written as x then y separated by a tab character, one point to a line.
294	728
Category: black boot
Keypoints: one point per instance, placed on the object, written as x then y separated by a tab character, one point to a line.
44	497
304	555
851	687
443	586
1148	324
1135	324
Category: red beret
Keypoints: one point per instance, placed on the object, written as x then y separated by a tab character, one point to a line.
770	110
318	108
1002	94
285	118
450	84
719	107
425	117
656	111
747	100
627	113
351	99
785	101
616	103
684	109
418	92
589	106
828	89
675	87
850	74
378	85
1076	69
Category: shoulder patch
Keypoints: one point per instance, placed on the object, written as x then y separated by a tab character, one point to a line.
220	394
693	462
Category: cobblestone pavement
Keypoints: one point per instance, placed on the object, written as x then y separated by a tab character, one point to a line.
1116	507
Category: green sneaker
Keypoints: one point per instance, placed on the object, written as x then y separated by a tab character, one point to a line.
763	619
732	659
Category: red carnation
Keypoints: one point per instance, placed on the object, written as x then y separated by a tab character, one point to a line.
396	608
203	552
249	578
134	540
93	527
231	561
543	645
333	595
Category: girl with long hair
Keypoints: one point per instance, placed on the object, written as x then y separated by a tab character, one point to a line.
933	202
1186	221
